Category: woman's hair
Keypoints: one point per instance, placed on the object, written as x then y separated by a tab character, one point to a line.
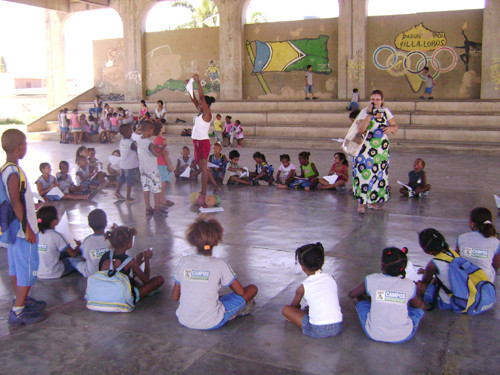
204	233
284	156
46	215
394	261
305	155
119	236
432	242
43	166
377	92
259	155
342	158
311	256
160	101
78	151
209	100
483	220
143	102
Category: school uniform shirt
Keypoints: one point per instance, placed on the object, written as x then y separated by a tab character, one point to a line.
50	246
84	173
128	158
200	278
93	248
64	184
388	318
321	294
46	184
28	196
480	251
147	160
285	172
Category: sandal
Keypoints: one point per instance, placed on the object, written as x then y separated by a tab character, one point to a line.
150	212
374	207
361	209
119	197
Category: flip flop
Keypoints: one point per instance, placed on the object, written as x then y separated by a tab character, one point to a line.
361	209
119	197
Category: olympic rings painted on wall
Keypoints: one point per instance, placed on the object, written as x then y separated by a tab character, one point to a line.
453	54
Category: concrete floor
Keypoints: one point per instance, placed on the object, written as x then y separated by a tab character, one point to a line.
263	227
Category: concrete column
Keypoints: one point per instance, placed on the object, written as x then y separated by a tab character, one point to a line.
352	47
131	12
57	89
490	63
231	40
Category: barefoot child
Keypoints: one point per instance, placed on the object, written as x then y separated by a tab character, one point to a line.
308	172
128	163
186	161
339	168
234	171
218	159
46	182
263	172
70	190
417	181
164	164
286	172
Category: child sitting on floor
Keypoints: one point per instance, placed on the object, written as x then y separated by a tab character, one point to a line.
286	172
70	190
218	159
184	162
418	186
198	278
340	168
308	172
57	257
263	174
323	317
234	171
113	169
395	309
46	182
121	239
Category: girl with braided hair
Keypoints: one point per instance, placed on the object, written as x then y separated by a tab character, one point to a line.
323	317
395	309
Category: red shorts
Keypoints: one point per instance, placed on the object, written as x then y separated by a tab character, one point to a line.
201	149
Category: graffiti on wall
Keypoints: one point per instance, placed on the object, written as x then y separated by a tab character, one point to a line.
287	56
495	72
112	70
422	48
470	48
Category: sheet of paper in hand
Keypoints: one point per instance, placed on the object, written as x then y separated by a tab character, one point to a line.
56	191
189	87
331	179
186	172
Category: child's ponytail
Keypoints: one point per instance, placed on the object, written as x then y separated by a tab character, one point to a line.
45	216
432	242
119	236
482	219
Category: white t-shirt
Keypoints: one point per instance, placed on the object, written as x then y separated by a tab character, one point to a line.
284	172
388	318
355	97
200	278
309	78
50	246
159	114
64	185
200	128
321	294
93	248
128	158
28	196
148	162
480	251
63	121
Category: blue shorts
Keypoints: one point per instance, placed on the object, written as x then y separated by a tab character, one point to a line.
353	105
114	129
300	184
320	331
363	308
232	303
23	261
63	130
128	176
308	89
165	174
53	197
429	298
428	90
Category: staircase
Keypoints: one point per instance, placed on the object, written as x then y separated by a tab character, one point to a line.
424	126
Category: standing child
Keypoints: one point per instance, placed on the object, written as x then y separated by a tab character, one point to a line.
238	131
128	163
263	174
323	317
186	161
340	168
218	128
481	246
105	134
76	127
114	120
198	278
354	101
309	83
85	128
286	172
46	182
96	167
22	253
150	177
308	172
417	181
218	159
57	257
63	125
429	84
233	171
121	239
227	134
113	169
165	167
395	309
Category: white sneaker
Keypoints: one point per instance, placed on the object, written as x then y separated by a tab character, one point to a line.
423	194
411	194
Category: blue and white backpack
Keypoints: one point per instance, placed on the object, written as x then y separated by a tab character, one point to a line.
9	225
110	291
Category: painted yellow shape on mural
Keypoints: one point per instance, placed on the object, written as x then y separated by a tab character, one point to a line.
420	38
415	81
283	54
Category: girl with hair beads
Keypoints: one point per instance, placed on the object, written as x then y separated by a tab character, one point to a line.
121	239
339	168
263	172
286	172
481	246
308	172
198	278
395	309
323	318
57	257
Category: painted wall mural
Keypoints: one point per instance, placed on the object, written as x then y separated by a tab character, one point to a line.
287	56
423	48
470	48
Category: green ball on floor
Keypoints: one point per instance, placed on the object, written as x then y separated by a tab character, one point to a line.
217	201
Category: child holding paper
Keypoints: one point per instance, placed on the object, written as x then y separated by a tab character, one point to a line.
46	182
234	173
338	175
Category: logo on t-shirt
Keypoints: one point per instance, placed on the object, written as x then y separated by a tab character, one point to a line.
475	253
196	275
98	253
42	247
390	297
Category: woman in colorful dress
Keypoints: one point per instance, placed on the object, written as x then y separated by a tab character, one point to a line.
371	166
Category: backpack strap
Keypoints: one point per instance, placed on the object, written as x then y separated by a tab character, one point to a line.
22	190
112	271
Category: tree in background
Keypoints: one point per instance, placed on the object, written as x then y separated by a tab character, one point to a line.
257	17
205	15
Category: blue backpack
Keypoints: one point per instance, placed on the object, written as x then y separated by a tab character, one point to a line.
110	291
471	291
9	224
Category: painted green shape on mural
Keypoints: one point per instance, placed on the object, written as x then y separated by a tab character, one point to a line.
180	85
316	55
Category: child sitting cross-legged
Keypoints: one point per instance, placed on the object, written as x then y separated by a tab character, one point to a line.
417	184
323	317
198	278
46	182
234	171
70	190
